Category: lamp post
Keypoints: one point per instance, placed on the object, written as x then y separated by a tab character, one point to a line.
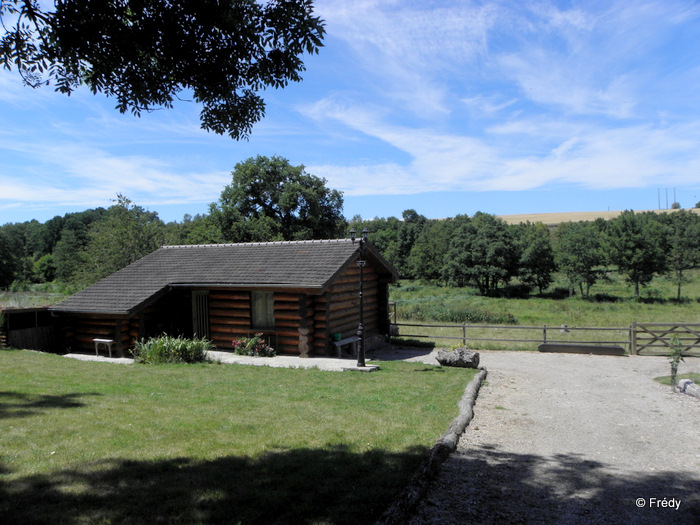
361	263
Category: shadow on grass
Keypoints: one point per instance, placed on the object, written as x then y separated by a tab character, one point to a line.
16	404
498	487
295	486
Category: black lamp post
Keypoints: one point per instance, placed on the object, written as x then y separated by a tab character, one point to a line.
361	263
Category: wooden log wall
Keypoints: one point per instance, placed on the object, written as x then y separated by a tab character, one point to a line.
294	323
229	317
338	310
79	332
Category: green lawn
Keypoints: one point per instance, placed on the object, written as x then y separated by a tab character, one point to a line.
87	442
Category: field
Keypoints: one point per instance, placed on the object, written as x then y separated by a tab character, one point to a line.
551	219
611	305
87	442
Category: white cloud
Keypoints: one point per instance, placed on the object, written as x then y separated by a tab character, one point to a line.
73	174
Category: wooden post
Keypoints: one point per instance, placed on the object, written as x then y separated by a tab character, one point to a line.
544	333
464	335
633	338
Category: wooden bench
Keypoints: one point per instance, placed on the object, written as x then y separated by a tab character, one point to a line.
353	340
106	342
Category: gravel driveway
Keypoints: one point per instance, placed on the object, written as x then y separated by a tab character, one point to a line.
561	438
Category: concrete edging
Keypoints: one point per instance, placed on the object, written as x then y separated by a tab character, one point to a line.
402	507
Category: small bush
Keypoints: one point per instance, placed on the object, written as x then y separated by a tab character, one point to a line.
254	346
169	349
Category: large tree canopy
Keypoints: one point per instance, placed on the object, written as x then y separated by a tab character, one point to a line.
145	52
270	199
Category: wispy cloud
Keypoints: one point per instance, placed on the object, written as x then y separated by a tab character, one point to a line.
570	88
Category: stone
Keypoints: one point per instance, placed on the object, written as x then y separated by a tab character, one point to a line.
459	357
686	386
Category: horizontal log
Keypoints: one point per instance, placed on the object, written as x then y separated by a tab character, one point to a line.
226	305
284	315
287	341
286	297
239	313
286	306
229	321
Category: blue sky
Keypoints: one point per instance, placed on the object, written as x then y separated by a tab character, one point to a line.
444	107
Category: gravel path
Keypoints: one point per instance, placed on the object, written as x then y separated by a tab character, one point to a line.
573	439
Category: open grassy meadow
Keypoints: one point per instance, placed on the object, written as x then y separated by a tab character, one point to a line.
611	304
87	442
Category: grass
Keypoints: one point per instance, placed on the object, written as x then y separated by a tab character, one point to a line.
87	442
666	380
611	305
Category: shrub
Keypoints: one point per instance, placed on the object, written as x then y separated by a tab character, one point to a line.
169	349
254	346
454	313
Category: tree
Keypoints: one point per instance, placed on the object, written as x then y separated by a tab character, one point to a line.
44	269
411	227
270	199
683	244
383	234
427	257
482	251
637	246
536	264
144	53
579	254
125	234
68	256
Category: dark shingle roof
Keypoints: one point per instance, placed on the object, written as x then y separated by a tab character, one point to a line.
297	264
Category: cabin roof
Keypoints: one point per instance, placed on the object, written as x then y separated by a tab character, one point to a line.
309	265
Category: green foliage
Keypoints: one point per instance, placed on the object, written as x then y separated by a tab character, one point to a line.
255	346
44	269
454	312
384	235
145	53
126	233
270	199
636	244
536	266
579	254
167	349
429	252
683	239
675	358
409	231
482	251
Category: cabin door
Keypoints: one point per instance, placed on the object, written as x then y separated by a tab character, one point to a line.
200	314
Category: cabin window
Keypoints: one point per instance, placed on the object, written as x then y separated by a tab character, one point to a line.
262	310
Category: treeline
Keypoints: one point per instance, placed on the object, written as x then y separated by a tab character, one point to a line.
271	200
268	200
482	250
486	252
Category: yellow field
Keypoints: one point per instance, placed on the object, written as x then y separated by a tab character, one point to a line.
551	219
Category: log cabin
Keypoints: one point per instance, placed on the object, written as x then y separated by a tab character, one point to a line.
299	294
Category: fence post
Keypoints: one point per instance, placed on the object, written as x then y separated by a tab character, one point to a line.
633	338
464	335
544	333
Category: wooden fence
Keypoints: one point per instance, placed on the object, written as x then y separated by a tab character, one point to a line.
637	339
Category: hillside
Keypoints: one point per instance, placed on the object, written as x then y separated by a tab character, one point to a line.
551	219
